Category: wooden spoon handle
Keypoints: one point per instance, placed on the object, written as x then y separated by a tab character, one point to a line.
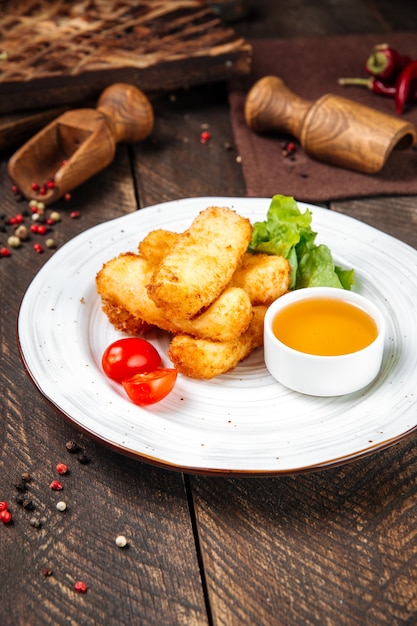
128	112
271	107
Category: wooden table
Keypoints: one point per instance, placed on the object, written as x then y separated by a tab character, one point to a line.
332	547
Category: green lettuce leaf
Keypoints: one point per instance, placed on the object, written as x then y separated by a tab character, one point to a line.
287	232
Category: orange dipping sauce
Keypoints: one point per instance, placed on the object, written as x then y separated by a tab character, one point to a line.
324	327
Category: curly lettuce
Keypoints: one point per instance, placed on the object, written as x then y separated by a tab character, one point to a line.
287	232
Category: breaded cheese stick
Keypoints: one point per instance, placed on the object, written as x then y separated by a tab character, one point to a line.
122	282
156	245
204	359
264	277
201	263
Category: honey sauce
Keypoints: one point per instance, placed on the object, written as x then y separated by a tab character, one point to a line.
324	326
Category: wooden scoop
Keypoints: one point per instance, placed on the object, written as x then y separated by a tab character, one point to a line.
332	129
80	143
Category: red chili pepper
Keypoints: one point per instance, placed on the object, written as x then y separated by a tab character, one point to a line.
386	88
376	85
406	87
386	62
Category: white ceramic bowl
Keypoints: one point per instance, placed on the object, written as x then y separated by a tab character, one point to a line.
323	375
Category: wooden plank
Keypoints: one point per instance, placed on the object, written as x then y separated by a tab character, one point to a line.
15	129
55	53
332	547
397	217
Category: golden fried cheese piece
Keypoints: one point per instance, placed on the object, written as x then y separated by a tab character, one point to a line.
264	277
156	245
205	359
122	282
201	262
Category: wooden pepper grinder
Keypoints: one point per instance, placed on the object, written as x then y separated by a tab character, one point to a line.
332	129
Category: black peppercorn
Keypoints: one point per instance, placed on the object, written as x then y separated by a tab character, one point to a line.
72	447
21	485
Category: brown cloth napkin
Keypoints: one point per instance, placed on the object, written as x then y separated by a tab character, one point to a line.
310	67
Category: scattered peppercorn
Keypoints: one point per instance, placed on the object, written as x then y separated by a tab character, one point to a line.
22	232
26	477
21	485
205	136
5	516
14	242
62	468
74	215
83	459
121	541
72	446
50	243
3	506
56	485
35	522
4	251
61	506
55	216
46	571
80	587
38	248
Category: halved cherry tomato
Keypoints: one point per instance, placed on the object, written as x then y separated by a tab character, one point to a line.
150	387
126	357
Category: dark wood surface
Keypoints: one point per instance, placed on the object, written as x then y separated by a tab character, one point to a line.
331	547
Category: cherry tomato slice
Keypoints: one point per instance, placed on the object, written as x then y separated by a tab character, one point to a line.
150	387
126	357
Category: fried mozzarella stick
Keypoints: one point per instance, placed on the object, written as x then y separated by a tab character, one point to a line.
205	359
122	282
201	263
264	277
156	244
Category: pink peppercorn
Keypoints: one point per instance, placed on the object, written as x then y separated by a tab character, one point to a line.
5	251
3	506
205	136
35	186
67	196
56	485
74	215
38	248
80	587
41	229
50	184
62	468
5	517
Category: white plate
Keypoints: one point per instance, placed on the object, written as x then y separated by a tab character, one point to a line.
243	421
